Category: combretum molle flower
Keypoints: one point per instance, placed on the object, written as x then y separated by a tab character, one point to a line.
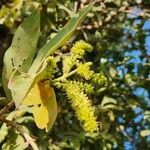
82	106
77	52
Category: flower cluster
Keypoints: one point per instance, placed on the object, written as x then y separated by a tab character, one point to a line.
50	66
80	47
77	52
86	87
84	70
77	89
68	63
99	78
82	106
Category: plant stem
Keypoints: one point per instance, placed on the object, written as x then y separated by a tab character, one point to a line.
6	108
28	138
64	77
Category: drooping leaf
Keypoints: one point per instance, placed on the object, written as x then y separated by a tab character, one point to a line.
110	103
15	142
108	100
4	132
52	109
19	84
4	129
42	102
22	50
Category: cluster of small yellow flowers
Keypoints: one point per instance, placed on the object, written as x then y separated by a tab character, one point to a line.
82	106
68	63
77	52
86	87
84	70
100	79
80	47
48	69
51	66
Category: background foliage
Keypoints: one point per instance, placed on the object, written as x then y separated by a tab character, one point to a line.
120	33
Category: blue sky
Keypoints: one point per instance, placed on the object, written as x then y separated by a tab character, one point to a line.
139	92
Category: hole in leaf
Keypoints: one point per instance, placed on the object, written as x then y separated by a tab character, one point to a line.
12	62
39	105
30	105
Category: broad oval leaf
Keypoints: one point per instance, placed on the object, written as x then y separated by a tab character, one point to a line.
42	101
22	50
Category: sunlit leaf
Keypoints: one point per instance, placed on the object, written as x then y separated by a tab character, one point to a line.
145	133
22	51
108	101
42	102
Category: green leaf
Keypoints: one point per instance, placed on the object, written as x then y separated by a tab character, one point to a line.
147	115
145	133
19	84
4	132
111	115
4	128
52	110
15	142
112	71
108	101
22	50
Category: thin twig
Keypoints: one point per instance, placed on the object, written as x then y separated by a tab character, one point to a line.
27	137
64	76
3	98
6	108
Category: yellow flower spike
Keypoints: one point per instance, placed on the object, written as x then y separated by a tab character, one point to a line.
42	102
80	47
82	106
84	70
68	63
100	79
86	87
77	52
